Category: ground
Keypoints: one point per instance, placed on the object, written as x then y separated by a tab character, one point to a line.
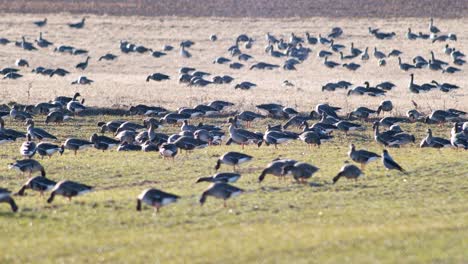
386	217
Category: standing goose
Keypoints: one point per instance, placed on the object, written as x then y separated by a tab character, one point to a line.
378	54
38	133
249	117
233	159
362	157
27	166
459	139
348	171
76	144
68	189
241	136
301	171
220	190
76	107
433	29
226	177
78	25
365	56
28	148
276	168
184	53
414	88
330	64
405	66
389	163
5	197
37	183
83	65
48	149
155	198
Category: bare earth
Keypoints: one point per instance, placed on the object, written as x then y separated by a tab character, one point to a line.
122	82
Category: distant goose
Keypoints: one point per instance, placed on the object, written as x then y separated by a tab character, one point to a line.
125	146
459	138
301	171
410	35
38	133
83	65
404	66
157	77
348	171
184	53
386	85
40	23
108	57
394	53
378	54
4	41
48	149
365	55
389	163
276	137
440	116
414	88
77	25
276	168
69	189
241	136
351	66
76	144
40	184
155	198
29	166
362	157
226	177
244	85
12	75
347	126
361	112
5	197
330	64
21	63
28	148
221	191
82	80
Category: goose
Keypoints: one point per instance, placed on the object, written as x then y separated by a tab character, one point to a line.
26	45
336	47
311	39
459	139
65	99
184	53
221	60
168	150
410	35
56	117
347	57
155	198
414	88
82	80
38	133
6	139
348	171
241	136
386	85
456	54
83	65
77	25
348	126
249	117
297	120
125	146
378	54
236	65
232	158
401	139
244	57
362	157
244	85
450	69
220	190
167	48
384	138
76	107
365	55
189	143
413	115
48	149
330	64
76	144
385	106
40	184
4	41
423	36
28	166
149	146
310	138
436	61
103	141
5	197
174	118
434	142
324	53
111	126
276	137
126	136
157	77
19	115
351	66
382	62
361	112
12	75
276	168
220	105
40	23
405	66
28	148
108	57
323	41
432	28
21	63
440	116
225	177
445	86
459	62
10	133
394	53
140	49
76	51
130	126
64	49
354	51
389	163
301	171
274	110
69	189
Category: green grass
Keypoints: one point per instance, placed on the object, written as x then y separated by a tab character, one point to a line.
386	217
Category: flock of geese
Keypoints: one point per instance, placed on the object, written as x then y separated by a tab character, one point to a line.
314	128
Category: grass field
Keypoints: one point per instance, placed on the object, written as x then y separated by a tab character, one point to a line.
386	217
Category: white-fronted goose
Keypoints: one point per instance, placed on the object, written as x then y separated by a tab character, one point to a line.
76	144
348	171
362	157
28	166
5	197
241	136
103	140
232	158
48	149
155	198
276	168
301	171
28	148
226	177
38	133
220	190
69	189
40	184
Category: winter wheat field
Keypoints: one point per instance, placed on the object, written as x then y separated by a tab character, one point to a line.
384	217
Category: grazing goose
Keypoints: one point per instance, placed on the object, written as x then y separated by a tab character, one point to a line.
38	133
226	177
82	80
276	168
362	157
28	166
40	184
68	189
76	144
301	171
189	143
157	77
385	106
12	75
174	118
125	146
108	57
389	163
275	137
244	85
386	85
311	138
220	190
83	65
28	148
241	136
21	63
56	117
168	150
351	66
76	107
77	25
434	142
233	159
103	141
5	197
155	198
346	126
330	64
65	99
19	115
40	23
111	126
10	133
361	112
48	149
348	171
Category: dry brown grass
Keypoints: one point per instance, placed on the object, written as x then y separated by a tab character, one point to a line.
122	82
